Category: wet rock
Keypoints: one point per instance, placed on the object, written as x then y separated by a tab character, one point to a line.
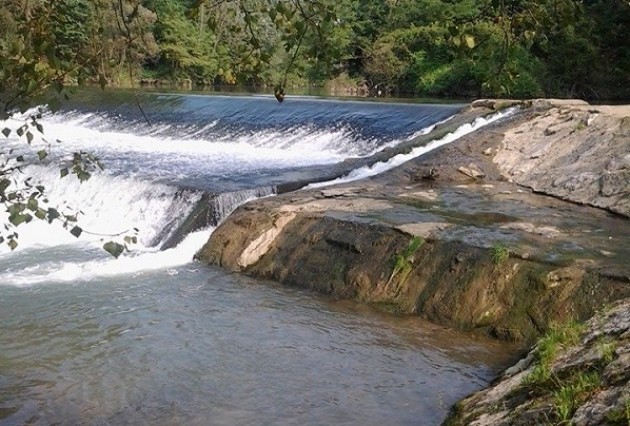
602	407
493	419
259	247
614	183
345	240
618	371
620	163
472	171
545	231
495	104
431	174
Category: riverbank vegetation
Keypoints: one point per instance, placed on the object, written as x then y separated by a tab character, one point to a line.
577	373
471	48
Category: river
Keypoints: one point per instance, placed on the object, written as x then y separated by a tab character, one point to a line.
155	338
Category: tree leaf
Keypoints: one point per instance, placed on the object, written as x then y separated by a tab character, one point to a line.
29	137
64	172
42	154
83	175
16	208
76	231
40	214
12	244
52	214
470	41
6	132
4	184
32	204
18	219
131	239
113	248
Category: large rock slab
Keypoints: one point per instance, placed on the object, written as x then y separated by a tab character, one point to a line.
577	153
493	256
492	233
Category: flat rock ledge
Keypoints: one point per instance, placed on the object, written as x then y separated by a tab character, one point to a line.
486	249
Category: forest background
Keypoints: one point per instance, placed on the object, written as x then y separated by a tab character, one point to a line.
438	48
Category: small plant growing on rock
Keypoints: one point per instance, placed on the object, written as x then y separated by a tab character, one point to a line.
557	337
571	395
404	260
500	254
621	414
607	348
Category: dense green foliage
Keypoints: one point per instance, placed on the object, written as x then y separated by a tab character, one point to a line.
459	48
470	48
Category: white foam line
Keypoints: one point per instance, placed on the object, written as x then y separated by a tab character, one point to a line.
107	266
397	160
419	133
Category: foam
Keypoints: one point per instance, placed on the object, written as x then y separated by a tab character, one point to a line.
397	160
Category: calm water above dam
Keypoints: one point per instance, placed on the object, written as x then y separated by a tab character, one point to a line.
154	338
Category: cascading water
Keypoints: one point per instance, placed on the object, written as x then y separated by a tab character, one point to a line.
397	160
153	338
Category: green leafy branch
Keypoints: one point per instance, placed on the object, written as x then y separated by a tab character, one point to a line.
25	201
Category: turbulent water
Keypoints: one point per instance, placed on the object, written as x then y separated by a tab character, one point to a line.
153	338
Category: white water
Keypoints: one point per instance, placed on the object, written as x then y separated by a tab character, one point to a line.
271	148
224	204
139	261
146	167
111	207
105	206
397	160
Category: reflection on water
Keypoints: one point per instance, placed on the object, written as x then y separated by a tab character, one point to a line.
196	345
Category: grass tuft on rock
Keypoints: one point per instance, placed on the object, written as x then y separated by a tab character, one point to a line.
404	260
558	337
500	254
573	393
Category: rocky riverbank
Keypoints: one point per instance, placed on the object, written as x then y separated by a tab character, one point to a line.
508	231
576	375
